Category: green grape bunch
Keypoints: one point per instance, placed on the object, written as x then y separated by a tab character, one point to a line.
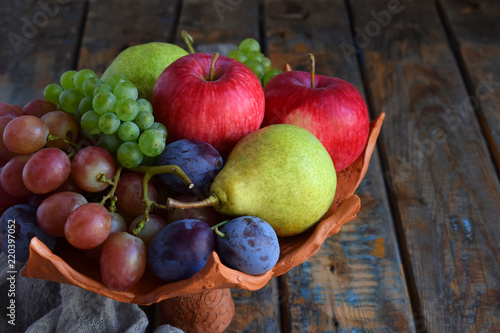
111	111
249	53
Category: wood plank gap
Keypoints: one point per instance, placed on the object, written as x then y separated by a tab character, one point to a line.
404	254
81	33
284	304
261	25
178	12
493	150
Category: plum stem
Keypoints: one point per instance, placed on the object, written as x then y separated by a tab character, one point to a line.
313	67
188	40
111	194
219	233
210	201
212	66
149	172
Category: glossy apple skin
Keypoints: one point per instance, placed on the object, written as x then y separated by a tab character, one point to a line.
334	111
219	112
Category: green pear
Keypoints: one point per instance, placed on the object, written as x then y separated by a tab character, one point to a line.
144	63
280	173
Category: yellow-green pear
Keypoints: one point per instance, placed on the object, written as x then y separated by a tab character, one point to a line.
143	64
280	173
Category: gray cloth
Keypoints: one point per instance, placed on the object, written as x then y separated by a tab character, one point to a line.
43	307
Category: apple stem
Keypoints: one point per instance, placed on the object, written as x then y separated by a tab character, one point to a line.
313	66
212	66
188	40
210	201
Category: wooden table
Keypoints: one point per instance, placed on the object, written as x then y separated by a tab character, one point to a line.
423	254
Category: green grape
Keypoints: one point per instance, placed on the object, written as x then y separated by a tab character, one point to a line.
85	105
104	102
116	78
248	45
81	76
159	127
237	55
256	67
126	90
129	154
70	100
128	131
109	123
90	122
254	56
145	105
110	142
67	79
267	63
52	92
144	120
126	109
100	88
152	143
269	75
89	85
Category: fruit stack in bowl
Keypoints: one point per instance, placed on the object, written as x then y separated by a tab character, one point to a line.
181	161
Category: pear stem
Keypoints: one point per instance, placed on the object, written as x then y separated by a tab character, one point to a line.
313	67
210	201
212	66
188	40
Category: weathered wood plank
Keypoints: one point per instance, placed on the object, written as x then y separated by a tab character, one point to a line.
38	41
213	24
475	29
112	26
219	21
355	282
446	191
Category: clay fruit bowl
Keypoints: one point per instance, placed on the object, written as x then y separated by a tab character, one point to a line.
68	265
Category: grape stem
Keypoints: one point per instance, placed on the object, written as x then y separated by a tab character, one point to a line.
216	227
188	40
149	172
111	194
313	67
210	201
212	66
51	137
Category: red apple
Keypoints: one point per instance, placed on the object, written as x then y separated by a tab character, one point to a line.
218	107
330	108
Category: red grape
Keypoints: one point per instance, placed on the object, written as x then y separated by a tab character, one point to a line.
7	200
122	261
11	176
46	170
53	212
6	109
151	227
89	164
5	153
129	193
38	107
61	125
25	134
88	226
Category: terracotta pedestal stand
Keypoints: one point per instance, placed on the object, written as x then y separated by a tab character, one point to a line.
208	311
